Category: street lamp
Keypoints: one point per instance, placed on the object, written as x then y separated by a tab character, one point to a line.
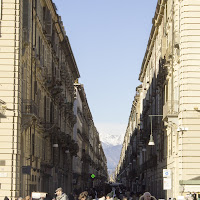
151	141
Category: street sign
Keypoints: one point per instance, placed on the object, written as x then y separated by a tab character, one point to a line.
167	184
38	195
166	173
26	170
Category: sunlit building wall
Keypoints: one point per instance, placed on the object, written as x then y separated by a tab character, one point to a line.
169	96
37	78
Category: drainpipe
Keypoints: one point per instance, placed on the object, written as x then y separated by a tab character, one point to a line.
172	67
14	98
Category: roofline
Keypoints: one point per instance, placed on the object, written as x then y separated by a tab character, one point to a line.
156	21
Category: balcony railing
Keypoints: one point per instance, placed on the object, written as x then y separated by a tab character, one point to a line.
2	109
29	107
170	108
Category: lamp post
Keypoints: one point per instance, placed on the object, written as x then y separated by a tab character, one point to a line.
151	141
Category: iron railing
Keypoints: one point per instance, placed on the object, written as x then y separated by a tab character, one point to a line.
29	107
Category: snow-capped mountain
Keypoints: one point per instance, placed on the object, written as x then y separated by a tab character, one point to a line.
112	145
111	140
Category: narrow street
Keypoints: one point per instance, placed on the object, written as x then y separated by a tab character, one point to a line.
64	129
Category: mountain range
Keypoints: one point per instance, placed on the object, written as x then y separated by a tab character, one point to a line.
112	145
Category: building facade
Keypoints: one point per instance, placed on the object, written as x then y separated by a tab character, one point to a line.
91	158
168	107
37	76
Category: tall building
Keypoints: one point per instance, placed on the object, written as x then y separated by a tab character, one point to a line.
39	146
168	107
37	74
90	166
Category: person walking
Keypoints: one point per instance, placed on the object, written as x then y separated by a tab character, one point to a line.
71	196
60	195
83	195
27	197
109	196
147	196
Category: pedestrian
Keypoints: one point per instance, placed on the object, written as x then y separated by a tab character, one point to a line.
132	196
27	197
60	195
101	196
124	197
127	193
19	198
6	198
83	195
71	196
109	196
147	196
75	196
48	197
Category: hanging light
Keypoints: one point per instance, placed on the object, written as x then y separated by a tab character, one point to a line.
151	141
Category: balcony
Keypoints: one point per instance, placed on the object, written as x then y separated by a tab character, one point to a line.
29	113
29	107
2	109
162	73
56	90
170	109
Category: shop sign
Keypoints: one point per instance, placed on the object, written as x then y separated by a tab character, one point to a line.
167	184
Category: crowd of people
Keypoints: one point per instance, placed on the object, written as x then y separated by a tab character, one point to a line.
19	198
92	194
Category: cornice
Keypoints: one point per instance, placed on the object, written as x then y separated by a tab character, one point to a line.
63	38
156	21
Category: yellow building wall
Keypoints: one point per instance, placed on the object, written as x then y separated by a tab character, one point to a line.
9	74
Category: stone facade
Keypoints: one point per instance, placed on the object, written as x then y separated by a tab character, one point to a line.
169	95
37	76
91	158
9	93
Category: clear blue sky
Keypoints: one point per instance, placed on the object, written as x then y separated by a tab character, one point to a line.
108	39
